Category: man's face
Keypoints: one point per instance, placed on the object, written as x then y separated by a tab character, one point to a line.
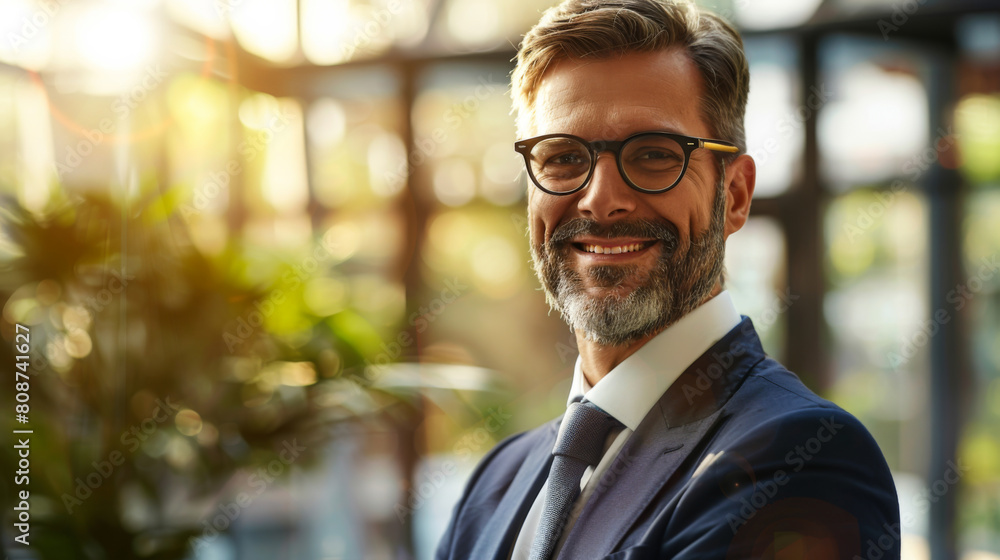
666	249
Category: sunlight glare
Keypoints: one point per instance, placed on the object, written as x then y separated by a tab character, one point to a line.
326	26
114	38
267	28
774	14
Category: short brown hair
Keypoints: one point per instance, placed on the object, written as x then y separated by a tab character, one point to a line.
603	28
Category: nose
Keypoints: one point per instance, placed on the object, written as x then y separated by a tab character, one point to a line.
607	196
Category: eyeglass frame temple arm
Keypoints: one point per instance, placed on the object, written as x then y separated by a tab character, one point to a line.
718	147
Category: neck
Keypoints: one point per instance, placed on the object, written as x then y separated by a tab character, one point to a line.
597	360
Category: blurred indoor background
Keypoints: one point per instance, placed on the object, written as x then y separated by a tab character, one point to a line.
273	261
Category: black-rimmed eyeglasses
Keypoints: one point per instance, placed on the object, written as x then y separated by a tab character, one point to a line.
650	162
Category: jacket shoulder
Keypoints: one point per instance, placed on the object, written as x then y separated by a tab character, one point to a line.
486	486
784	460
773	410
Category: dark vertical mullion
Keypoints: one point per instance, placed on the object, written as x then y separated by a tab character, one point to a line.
805	342
315	209
949	371
415	211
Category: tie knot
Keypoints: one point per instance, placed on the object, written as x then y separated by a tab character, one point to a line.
584	430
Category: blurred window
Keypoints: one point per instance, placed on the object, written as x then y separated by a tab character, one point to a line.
776	114
756	276
875	127
876	308
978	300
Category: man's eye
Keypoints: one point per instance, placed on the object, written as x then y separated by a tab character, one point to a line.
656	155
566	159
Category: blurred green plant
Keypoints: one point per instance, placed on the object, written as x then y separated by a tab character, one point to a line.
156	382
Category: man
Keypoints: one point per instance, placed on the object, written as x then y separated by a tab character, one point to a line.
681	438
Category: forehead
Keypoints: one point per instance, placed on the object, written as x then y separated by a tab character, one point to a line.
611	98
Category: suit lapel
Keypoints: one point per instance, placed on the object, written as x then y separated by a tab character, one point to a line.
646	462
685	416
497	537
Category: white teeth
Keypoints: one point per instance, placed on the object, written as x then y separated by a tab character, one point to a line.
614	250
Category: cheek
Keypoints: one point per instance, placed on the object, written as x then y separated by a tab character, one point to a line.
682	214
545	212
699	198
535	225
536	231
691	209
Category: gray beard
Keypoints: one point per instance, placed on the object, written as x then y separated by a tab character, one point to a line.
677	284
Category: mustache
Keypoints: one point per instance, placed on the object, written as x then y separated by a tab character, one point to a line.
662	230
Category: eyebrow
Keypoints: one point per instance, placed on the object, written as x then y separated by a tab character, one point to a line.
668	129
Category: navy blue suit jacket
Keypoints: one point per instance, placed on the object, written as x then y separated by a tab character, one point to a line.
738	459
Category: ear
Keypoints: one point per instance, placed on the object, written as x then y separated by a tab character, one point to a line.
741	176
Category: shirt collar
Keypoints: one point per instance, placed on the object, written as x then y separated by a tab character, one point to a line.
630	390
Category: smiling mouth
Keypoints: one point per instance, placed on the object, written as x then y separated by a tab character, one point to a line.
613	249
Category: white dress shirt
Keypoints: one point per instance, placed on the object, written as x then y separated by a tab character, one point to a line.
629	392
